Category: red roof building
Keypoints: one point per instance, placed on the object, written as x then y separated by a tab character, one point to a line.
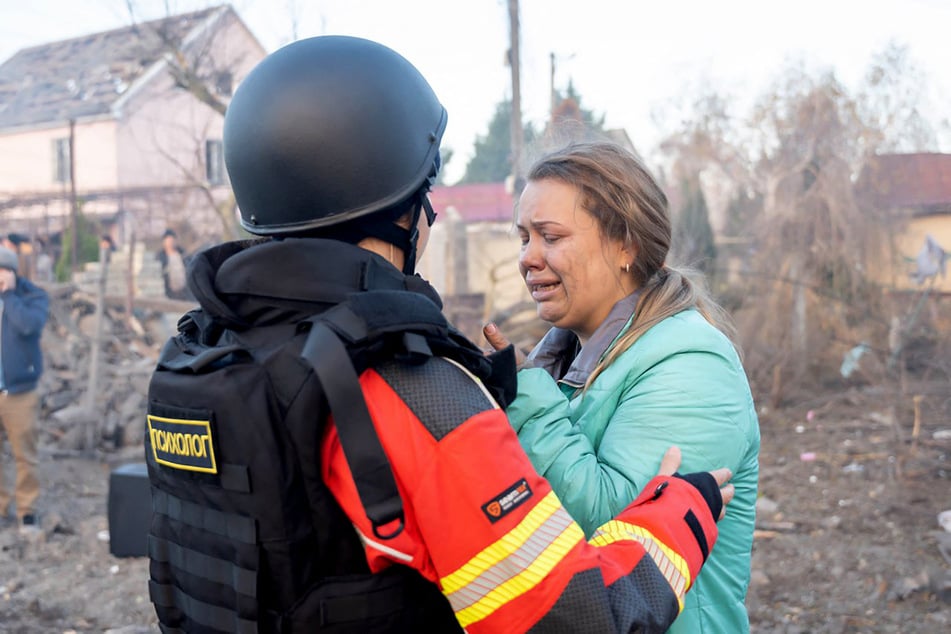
475	202
920	183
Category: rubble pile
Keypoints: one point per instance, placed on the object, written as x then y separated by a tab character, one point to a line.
98	404
89	404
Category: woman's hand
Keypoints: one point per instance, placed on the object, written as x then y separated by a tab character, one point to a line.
498	341
671	461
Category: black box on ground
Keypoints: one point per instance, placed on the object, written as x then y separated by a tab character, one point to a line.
130	510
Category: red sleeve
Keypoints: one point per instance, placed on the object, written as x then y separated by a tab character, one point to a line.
481	523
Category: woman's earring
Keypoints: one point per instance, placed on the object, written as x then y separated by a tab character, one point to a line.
627	267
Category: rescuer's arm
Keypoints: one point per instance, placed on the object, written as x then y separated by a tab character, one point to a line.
481	523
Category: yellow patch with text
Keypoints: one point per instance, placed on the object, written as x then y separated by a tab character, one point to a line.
182	444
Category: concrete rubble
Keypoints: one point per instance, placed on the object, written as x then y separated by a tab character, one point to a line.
73	420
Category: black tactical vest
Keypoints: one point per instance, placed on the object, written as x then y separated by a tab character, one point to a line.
245	536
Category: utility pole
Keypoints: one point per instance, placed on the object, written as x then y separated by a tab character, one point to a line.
516	128
74	201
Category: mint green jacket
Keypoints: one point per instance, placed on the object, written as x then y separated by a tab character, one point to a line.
681	384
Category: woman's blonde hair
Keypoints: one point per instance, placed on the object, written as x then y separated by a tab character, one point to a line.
629	206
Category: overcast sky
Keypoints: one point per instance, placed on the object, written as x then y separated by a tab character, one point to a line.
627	58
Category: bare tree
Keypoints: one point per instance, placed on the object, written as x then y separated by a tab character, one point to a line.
890	100
809	247
196	69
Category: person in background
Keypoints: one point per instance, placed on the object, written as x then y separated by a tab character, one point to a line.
44	262
25	308
172	258
21	245
480	541
106	242
639	357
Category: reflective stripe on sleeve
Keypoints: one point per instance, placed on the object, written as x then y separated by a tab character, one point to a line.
514	564
671	564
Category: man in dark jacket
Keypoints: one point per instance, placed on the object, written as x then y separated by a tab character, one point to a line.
25	308
172	258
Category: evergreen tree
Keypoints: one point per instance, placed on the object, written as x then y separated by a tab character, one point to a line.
445	156
492	153
570	119
88	247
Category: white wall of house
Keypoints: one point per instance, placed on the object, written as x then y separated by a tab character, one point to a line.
161	139
164	133
156	139
28	158
163	129
28	168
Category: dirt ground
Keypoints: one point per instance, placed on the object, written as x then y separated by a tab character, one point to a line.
848	538
854	543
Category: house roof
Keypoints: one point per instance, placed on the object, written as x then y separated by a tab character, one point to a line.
84	76
915	181
476	202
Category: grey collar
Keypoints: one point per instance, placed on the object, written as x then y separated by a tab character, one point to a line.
561	354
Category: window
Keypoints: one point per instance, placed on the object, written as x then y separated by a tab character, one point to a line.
61	160
214	163
224	84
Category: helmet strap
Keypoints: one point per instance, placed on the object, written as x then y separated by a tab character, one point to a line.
407	240
420	204
404	239
409	262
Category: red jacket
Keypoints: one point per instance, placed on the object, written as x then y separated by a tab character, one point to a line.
482	524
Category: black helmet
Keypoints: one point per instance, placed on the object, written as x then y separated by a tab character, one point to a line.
329	129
